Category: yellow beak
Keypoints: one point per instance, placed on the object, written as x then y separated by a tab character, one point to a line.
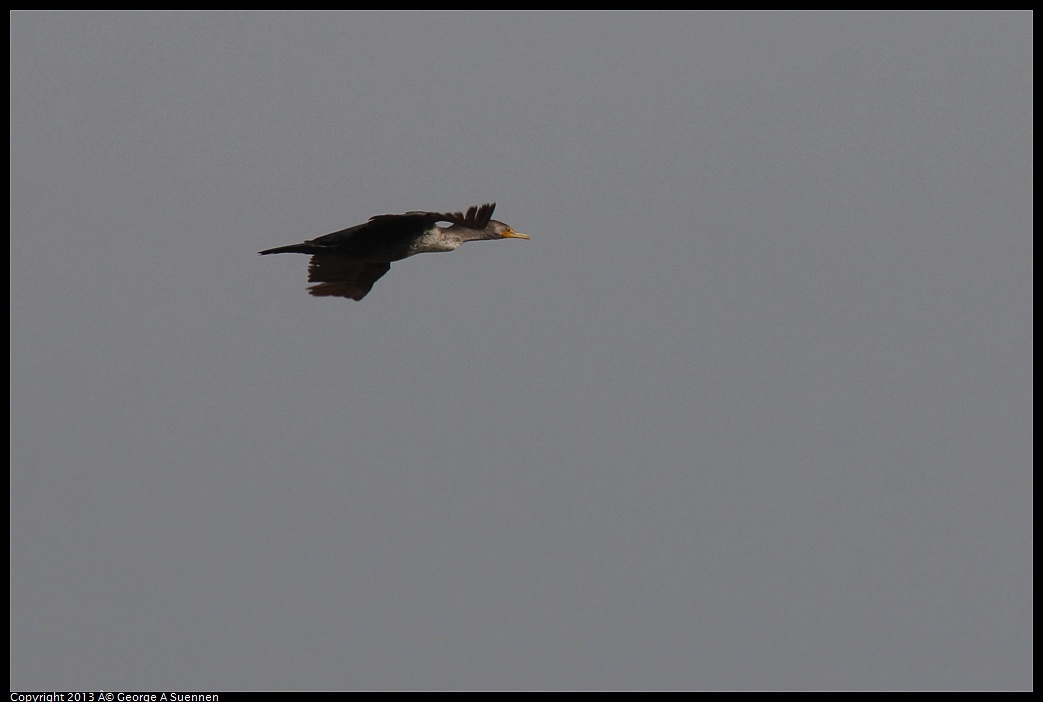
511	234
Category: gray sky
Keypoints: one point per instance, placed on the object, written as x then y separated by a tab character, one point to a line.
752	409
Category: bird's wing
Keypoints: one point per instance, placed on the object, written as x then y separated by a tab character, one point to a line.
339	276
476	217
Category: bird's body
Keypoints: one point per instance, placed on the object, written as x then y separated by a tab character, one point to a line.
347	263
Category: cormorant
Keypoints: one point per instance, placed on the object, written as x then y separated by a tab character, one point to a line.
348	262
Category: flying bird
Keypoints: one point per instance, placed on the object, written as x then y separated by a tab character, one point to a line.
348	262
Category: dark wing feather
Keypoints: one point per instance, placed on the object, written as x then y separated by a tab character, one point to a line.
339	276
476	217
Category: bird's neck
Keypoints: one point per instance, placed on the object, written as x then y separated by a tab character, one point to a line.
439	239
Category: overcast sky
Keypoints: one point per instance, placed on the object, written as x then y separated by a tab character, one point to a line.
752	409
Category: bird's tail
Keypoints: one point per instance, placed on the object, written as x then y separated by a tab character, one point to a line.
292	248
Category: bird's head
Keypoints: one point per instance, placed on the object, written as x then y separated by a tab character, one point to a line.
499	230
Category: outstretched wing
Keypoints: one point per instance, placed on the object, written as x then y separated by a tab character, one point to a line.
476	217
339	276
